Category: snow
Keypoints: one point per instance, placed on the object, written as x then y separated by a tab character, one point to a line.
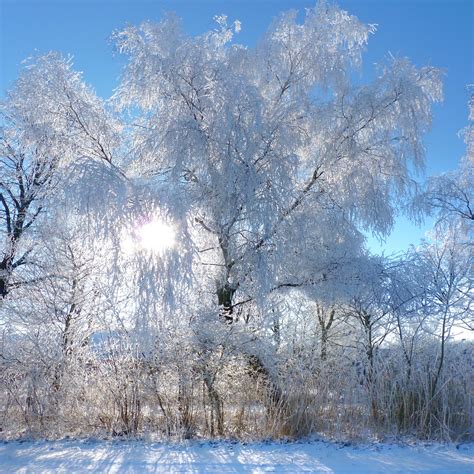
223	457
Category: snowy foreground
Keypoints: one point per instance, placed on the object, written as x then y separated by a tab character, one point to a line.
222	457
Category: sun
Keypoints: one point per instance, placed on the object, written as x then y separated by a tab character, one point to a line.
156	236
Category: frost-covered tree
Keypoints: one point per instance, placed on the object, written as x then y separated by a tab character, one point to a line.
270	155
270	158
49	119
450	196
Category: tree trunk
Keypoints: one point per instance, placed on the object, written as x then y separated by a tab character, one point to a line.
185	416
217	412
225	295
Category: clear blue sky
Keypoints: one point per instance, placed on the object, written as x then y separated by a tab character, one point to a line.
429	32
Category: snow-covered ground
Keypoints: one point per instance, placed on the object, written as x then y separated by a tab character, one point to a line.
224	457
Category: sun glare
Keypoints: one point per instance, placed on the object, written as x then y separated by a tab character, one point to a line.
156	236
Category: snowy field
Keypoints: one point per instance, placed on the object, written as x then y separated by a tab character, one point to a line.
225	457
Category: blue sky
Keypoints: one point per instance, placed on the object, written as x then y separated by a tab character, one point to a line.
430	32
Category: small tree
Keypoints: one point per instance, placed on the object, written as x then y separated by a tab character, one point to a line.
49	119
